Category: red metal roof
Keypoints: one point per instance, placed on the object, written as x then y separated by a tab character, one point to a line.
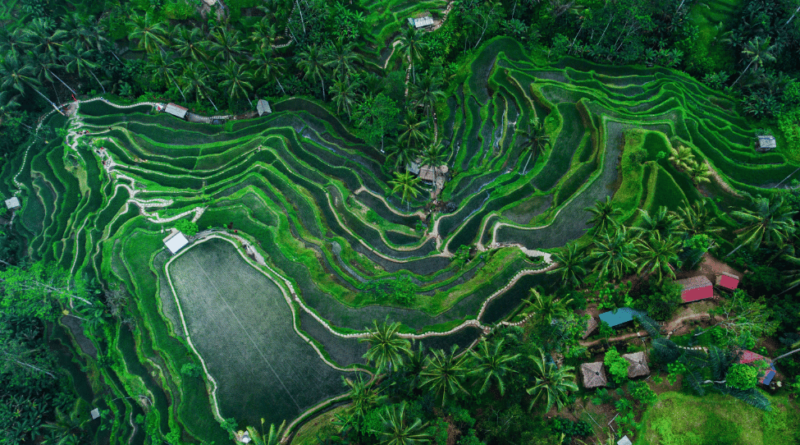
728	281
750	357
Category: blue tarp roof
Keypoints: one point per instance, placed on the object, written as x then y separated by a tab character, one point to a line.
622	315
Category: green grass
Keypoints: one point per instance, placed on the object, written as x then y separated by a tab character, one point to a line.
681	419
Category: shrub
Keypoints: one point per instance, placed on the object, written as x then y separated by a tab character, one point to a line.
571	428
617	366
191	370
742	377
187	227
642	392
660	302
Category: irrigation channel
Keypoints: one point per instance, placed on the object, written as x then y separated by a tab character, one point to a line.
302	243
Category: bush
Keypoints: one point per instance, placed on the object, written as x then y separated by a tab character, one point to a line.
191	370
660	302
187	227
742	377
617	366
570	428
642	392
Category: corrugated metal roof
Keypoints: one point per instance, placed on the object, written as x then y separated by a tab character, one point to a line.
176	110
421	22
12	203
622	315
175	242
694	282
767	141
263	107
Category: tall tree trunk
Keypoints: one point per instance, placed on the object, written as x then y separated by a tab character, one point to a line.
785	355
514	10
600	40
63	83
576	36
792	17
526	164
28	365
322	82
179	90
48	100
734	250
745	70
302	21
98	81
279	85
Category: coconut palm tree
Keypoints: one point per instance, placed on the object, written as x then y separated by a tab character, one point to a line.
547	308
42	66
12	42
434	157
758	51
663	222
17	75
311	61
149	31
364	396
344	94
534	141
272	437
603	214
66	429
445	372
164	68
406	184
84	31
402	155
569	265
396	429
387	350
411	46
226	45
700	173
8	104
341	57
698	219
491	365
411	130
657	254
79	60
427	92
270	66
682	157
264	34
190	44
237	80
195	78
613	253
551	383
771	222
41	38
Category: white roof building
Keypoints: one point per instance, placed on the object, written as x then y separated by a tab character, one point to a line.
95	413
766	142
422	21
176	110
12	203
624	441
175	242
263	107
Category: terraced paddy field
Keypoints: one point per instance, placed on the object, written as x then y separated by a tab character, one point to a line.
288	269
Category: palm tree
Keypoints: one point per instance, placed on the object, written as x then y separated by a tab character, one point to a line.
547	308
700	173
190	44
682	157
237	81
311	62
149	31
364	396
758	51
569	265
67	429
603	214
492	365
535	140
663	222
402	155
427	92
770	222
657	254
42	65
195	77
264	34
226	45
613	253
273	437
8	104
41	39
17	75
698	219
78	59
387	350
341	57
551	382
445	373
411	45
411	130
344	93
434	157
406	184
397	431
162	67
12	42
270	66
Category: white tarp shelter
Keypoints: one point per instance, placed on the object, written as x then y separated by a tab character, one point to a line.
12	203
766	143
421	22
263	107
95	413
175	242
176	110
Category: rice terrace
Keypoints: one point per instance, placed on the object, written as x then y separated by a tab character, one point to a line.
287	270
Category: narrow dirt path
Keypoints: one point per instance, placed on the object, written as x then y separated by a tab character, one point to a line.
671	327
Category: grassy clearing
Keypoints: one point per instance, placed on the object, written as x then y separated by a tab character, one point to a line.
681	419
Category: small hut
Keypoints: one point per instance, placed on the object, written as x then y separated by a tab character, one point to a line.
696	288
263	107
421	20
624	441
175	242
593	375
12	203
728	281
749	357
176	110
620	316
766	143
428	173
638	364
95	413
591	325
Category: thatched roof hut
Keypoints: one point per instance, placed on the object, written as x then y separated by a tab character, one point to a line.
638	364
591	325
593	375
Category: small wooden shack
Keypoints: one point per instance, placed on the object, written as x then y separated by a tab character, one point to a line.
696	288
591	325
263	107
766	143
13	203
728	281
637	364
593	375
176	110
620	316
